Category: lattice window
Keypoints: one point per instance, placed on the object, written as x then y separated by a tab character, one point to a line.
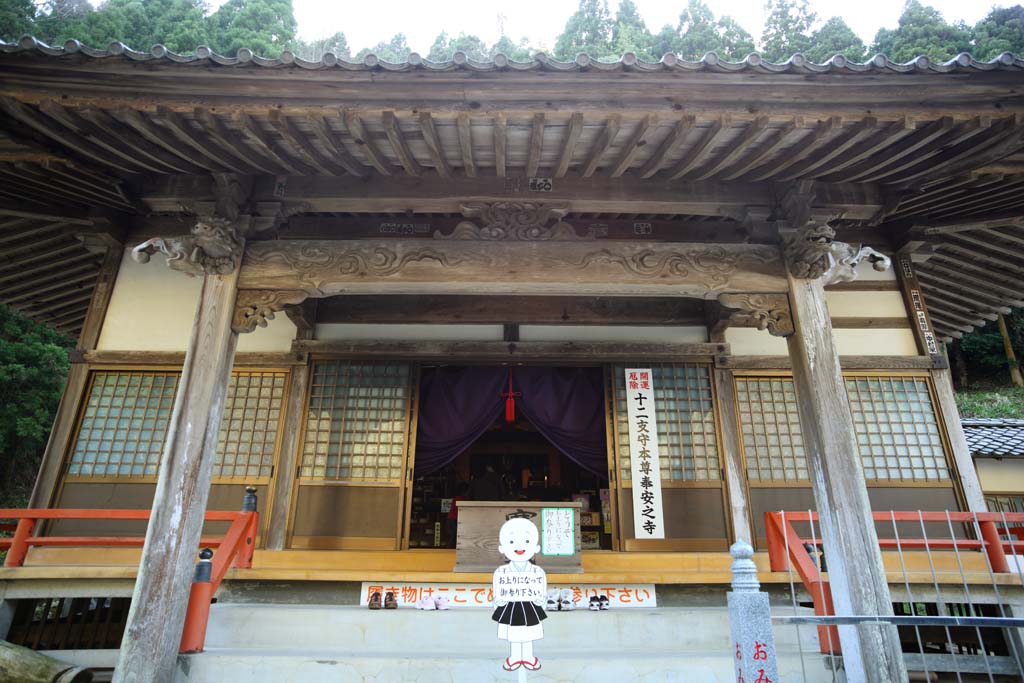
770	429
124	424
357	423
249	428
893	417
125	419
1004	503
687	436
897	430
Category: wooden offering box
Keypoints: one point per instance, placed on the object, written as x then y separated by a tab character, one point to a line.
480	521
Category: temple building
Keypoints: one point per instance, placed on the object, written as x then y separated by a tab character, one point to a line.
366	290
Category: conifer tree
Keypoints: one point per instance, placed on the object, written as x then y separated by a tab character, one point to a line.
922	31
834	37
588	30
1001	31
787	29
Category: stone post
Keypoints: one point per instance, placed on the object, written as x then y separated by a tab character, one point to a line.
750	621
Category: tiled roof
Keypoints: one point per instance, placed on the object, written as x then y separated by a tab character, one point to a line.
994	438
753	63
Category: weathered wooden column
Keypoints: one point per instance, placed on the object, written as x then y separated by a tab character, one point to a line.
856	574
149	648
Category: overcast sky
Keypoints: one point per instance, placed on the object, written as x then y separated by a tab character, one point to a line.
367	23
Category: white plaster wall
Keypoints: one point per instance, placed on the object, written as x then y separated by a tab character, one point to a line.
866	304
152	309
612	333
748	341
366	332
1000	476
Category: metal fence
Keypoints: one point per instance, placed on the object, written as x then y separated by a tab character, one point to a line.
956	582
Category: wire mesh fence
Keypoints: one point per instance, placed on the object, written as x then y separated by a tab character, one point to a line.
956	582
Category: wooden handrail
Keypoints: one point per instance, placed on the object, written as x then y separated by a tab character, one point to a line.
786	549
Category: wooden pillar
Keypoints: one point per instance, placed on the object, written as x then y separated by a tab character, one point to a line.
149	648
78	374
970	485
872	652
735	477
284	484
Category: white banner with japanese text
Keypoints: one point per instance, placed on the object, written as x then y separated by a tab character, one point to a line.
407	594
648	517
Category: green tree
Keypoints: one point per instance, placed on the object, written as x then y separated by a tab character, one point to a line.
60	20
314	50
33	367
588	30
699	33
1001	31
834	37
922	31
396	50
787	29
444	47
984	349
267	27
517	52
17	18
630	34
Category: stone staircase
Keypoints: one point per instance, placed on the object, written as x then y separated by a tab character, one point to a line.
313	643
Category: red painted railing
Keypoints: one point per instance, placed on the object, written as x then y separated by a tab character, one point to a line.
235	549
786	546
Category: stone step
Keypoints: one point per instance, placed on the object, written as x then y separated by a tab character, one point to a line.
447	666
409	631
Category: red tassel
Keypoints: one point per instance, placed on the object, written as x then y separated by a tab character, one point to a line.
510	401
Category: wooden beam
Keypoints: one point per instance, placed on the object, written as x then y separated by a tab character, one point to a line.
149	648
907	146
696	154
952	147
966	473
137	122
580	268
601	145
668	146
196	141
47	128
536	148
940	310
48	267
465	131
498	310
20	236
252	131
330	141
739	146
946	303
500	141
856	574
300	145
805	148
572	136
291	443
949	285
1002	235
840	144
1001	282
30	288
363	141
511	351
231	143
434	145
630	148
870	147
105	126
398	144
955	244
846	362
77	189
600	194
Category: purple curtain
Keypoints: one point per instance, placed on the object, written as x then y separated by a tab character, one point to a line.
566	405
457	405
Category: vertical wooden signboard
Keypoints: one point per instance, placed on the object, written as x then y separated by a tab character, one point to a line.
645	466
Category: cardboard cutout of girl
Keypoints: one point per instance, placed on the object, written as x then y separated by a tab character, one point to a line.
520	590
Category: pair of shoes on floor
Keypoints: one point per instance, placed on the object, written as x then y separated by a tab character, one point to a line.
599	602
389	601
429	604
533	665
560	600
